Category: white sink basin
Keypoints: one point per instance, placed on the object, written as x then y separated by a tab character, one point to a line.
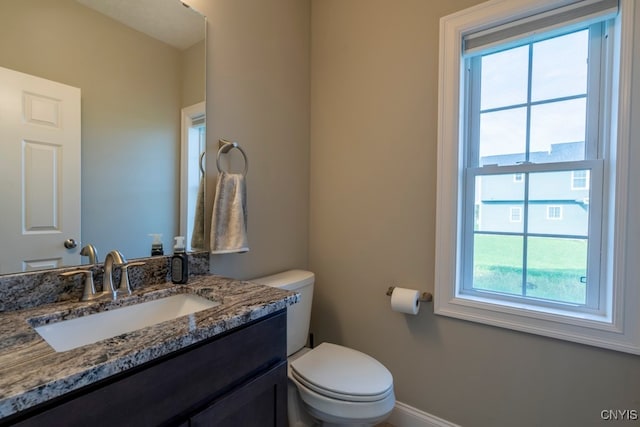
73	333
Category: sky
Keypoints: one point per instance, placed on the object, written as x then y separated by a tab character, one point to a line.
559	69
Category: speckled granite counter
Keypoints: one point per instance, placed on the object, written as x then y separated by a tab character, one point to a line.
31	372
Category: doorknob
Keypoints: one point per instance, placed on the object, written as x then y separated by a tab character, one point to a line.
70	243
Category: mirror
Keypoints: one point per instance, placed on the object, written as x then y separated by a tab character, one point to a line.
136	93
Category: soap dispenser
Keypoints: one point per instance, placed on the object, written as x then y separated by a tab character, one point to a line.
179	262
156	245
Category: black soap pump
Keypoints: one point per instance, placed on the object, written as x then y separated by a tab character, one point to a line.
179	262
156	245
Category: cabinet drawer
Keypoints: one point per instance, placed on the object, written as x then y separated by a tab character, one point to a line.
261	402
164	392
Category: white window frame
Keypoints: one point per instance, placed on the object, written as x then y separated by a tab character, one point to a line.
617	327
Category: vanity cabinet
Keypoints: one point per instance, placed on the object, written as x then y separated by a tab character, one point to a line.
236	379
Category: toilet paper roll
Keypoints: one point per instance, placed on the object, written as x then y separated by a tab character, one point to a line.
405	300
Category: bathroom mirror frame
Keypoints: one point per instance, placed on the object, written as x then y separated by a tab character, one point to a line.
131	180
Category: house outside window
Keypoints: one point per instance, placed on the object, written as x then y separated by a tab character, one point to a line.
531	122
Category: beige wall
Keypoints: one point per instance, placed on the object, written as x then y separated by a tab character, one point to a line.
193	74
131	99
374	91
258	95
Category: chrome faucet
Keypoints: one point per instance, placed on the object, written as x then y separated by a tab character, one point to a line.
116	258
91	252
113	257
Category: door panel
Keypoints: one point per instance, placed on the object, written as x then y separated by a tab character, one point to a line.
40	172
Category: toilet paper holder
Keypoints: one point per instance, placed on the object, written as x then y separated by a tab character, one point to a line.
424	296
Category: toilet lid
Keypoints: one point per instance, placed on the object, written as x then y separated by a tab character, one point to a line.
343	373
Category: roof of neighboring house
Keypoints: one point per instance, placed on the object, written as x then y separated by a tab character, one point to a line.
502	192
562	152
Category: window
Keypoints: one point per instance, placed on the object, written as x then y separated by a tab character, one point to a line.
515	214
580	180
554	212
536	102
526	109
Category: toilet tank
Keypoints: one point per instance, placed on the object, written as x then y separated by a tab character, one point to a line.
298	315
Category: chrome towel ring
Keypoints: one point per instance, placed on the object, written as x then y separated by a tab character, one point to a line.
201	164
225	147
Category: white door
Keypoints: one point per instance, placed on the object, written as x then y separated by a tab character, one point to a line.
39	172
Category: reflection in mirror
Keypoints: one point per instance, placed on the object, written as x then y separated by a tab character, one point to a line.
193	176
133	89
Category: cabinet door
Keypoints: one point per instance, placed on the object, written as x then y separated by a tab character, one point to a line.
260	402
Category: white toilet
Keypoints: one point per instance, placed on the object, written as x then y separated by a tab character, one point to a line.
329	385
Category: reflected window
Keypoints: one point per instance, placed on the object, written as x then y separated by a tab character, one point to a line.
193	175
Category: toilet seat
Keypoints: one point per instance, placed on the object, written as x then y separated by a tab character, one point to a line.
342	373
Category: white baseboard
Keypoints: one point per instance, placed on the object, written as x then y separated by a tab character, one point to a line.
404	415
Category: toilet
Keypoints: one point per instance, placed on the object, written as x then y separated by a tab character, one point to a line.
329	385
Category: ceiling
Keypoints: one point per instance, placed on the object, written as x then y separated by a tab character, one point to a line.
169	21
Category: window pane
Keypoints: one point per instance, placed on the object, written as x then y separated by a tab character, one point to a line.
497	263
560	66
556	208
558	131
503	136
498	199
557	269
504	78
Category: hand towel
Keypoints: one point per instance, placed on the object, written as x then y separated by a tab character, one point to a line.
229	218
197	235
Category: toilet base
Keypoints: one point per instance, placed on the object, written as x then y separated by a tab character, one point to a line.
326	420
302	415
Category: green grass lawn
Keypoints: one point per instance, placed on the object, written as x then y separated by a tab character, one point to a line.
554	267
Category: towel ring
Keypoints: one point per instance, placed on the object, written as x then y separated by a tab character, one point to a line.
225	147
202	165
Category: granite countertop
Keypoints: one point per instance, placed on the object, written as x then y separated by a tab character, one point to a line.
31	372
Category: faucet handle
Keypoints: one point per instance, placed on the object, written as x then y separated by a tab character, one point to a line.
89	292
125	287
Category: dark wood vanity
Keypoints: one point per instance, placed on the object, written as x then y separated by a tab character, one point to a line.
238	378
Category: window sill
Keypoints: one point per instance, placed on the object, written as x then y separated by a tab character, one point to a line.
590	329
549	314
